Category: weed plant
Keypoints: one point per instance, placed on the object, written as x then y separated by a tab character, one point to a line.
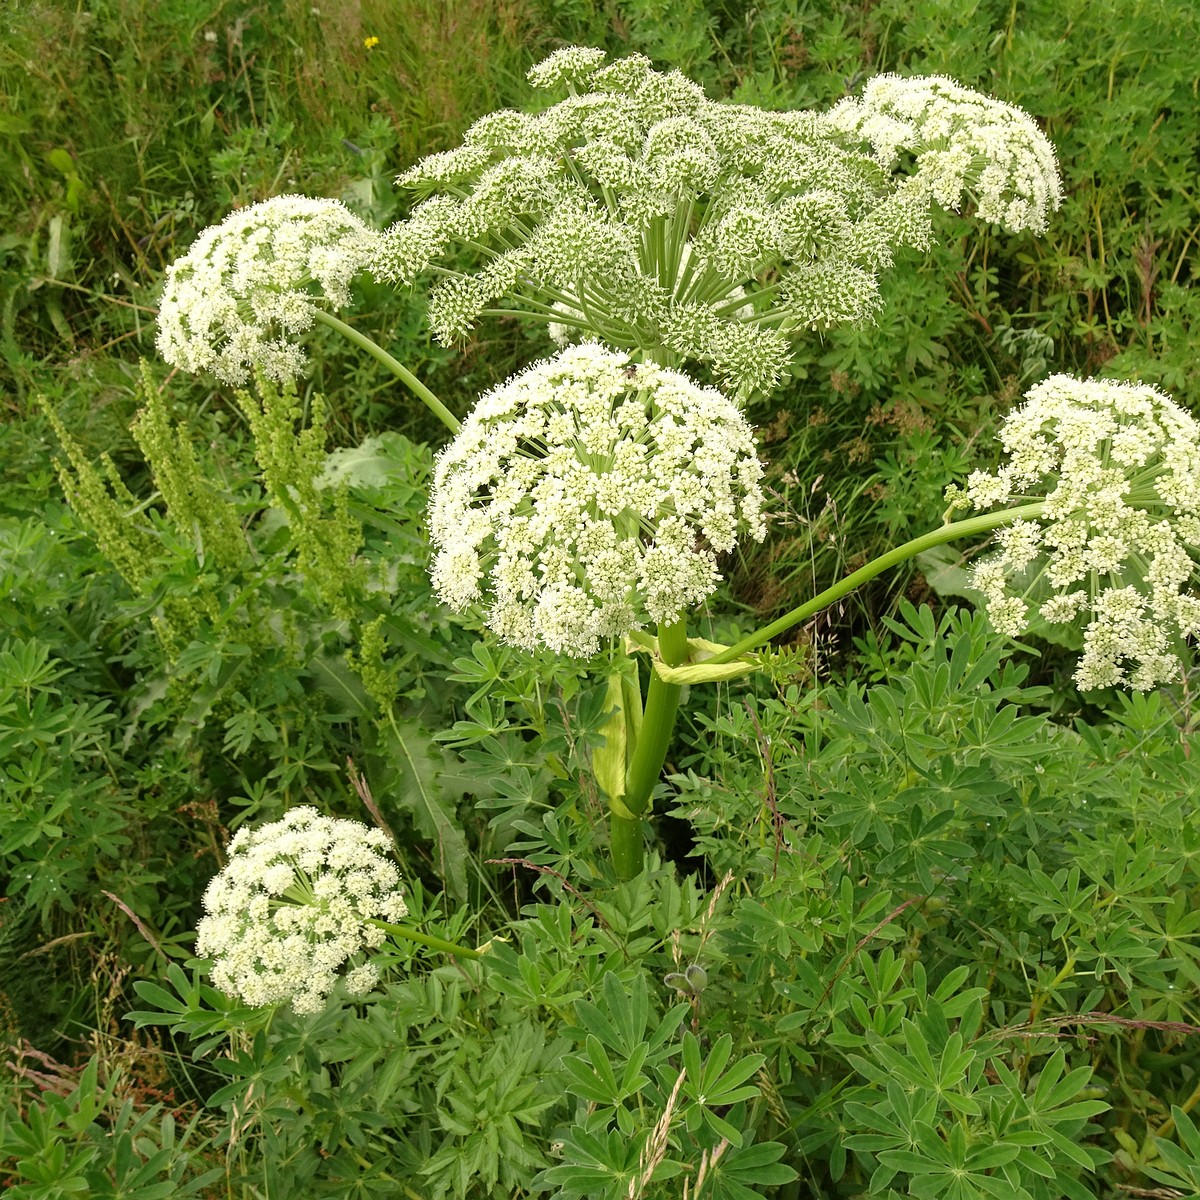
921	918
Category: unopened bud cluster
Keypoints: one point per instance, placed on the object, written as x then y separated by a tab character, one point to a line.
640	212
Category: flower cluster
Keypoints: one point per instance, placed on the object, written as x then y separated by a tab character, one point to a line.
638	211
588	496
1118	539
238	300
294	903
963	142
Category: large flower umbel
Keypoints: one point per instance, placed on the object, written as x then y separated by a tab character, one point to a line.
239	299
588	496
638	211
293	905
1118	465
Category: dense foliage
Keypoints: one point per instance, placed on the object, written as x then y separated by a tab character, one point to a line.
920	917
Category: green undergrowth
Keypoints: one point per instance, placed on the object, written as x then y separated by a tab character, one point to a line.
921	920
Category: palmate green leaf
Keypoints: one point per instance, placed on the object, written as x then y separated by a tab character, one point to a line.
894	1120
950	1166
710	1084
193	1009
1179	1165
1054	1089
623	1021
1054	1112
412	772
738	1174
713	1084
589	1084
597	1166
917	1067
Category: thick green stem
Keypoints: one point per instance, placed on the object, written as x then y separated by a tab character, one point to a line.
971	527
427	939
397	368
658	720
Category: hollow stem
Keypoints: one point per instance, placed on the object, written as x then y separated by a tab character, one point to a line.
397	368
658	721
831	595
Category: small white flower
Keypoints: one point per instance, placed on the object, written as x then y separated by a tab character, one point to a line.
294	904
566	65
1118	468
588	496
240	298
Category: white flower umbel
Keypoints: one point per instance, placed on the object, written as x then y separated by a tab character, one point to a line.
295	903
589	496
965	143
640	212
1118	465
240	298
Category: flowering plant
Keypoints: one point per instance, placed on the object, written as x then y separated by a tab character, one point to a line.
238	300
296	901
639	212
1117	467
965	144
590	495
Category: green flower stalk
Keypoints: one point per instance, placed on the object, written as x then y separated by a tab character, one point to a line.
240	300
584	499
650	752
1099	522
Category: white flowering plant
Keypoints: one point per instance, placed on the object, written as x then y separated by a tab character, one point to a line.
590	496
639	212
239	299
1116	468
299	899
584	505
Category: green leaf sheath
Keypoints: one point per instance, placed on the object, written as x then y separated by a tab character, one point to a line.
658	720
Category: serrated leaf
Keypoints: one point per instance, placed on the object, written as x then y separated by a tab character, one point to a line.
339	682
380	461
413	773
944	571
